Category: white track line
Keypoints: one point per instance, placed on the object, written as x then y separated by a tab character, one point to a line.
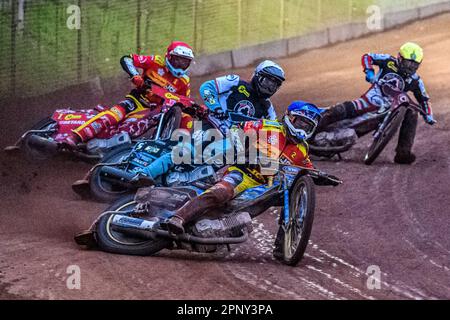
407	211
340	282
264	244
403	291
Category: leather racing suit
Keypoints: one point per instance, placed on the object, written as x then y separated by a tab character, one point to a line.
271	142
374	99
154	69
231	94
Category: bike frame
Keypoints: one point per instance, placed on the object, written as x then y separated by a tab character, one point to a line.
402	101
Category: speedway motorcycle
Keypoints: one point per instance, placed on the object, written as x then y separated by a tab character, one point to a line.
342	135
44	139
121	171
136	224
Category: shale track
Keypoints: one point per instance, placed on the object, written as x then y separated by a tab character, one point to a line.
394	217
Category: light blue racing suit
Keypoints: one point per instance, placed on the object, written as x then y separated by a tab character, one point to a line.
231	94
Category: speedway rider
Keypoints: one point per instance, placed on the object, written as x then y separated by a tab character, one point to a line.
401	72
169	73
286	141
231	94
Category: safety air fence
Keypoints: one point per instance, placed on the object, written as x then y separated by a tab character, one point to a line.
47	45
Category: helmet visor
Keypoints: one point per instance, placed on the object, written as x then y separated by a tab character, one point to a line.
409	66
303	123
179	62
268	85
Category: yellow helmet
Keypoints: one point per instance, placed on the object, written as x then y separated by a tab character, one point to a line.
411	51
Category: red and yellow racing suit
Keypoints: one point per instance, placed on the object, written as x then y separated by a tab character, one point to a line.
154	68
273	143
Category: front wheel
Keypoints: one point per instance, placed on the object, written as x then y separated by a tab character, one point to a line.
385	136
116	242
301	216
171	122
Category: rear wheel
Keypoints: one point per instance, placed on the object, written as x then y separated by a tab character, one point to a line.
301	216
102	189
383	139
116	242
31	152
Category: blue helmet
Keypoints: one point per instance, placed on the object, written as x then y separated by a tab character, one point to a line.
301	120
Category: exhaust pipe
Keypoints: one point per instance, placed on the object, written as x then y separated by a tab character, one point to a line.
190	238
115	173
145	229
42	144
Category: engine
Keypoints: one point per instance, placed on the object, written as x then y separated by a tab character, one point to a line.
175	179
102	146
233	225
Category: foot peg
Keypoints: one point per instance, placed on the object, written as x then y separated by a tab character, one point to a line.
175	225
11	149
86	238
82	188
141	181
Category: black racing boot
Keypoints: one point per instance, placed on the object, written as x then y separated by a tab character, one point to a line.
341	111
404	158
406	139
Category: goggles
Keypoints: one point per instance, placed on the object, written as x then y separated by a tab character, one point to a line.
268	85
179	62
409	66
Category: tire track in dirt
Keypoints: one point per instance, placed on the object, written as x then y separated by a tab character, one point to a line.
347	277
390	216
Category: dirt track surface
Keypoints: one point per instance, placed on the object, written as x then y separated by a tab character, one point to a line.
394	217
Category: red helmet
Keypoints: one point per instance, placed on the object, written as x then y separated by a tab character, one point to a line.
179	56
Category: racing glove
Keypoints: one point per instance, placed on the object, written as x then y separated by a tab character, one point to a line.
370	75
201	110
138	81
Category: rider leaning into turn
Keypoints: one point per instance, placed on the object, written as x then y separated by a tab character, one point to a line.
401	72
232	94
287	144
169	73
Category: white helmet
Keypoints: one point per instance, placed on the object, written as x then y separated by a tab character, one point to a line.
268	78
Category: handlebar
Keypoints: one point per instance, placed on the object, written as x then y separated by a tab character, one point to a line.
320	178
323	178
390	90
419	109
148	83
